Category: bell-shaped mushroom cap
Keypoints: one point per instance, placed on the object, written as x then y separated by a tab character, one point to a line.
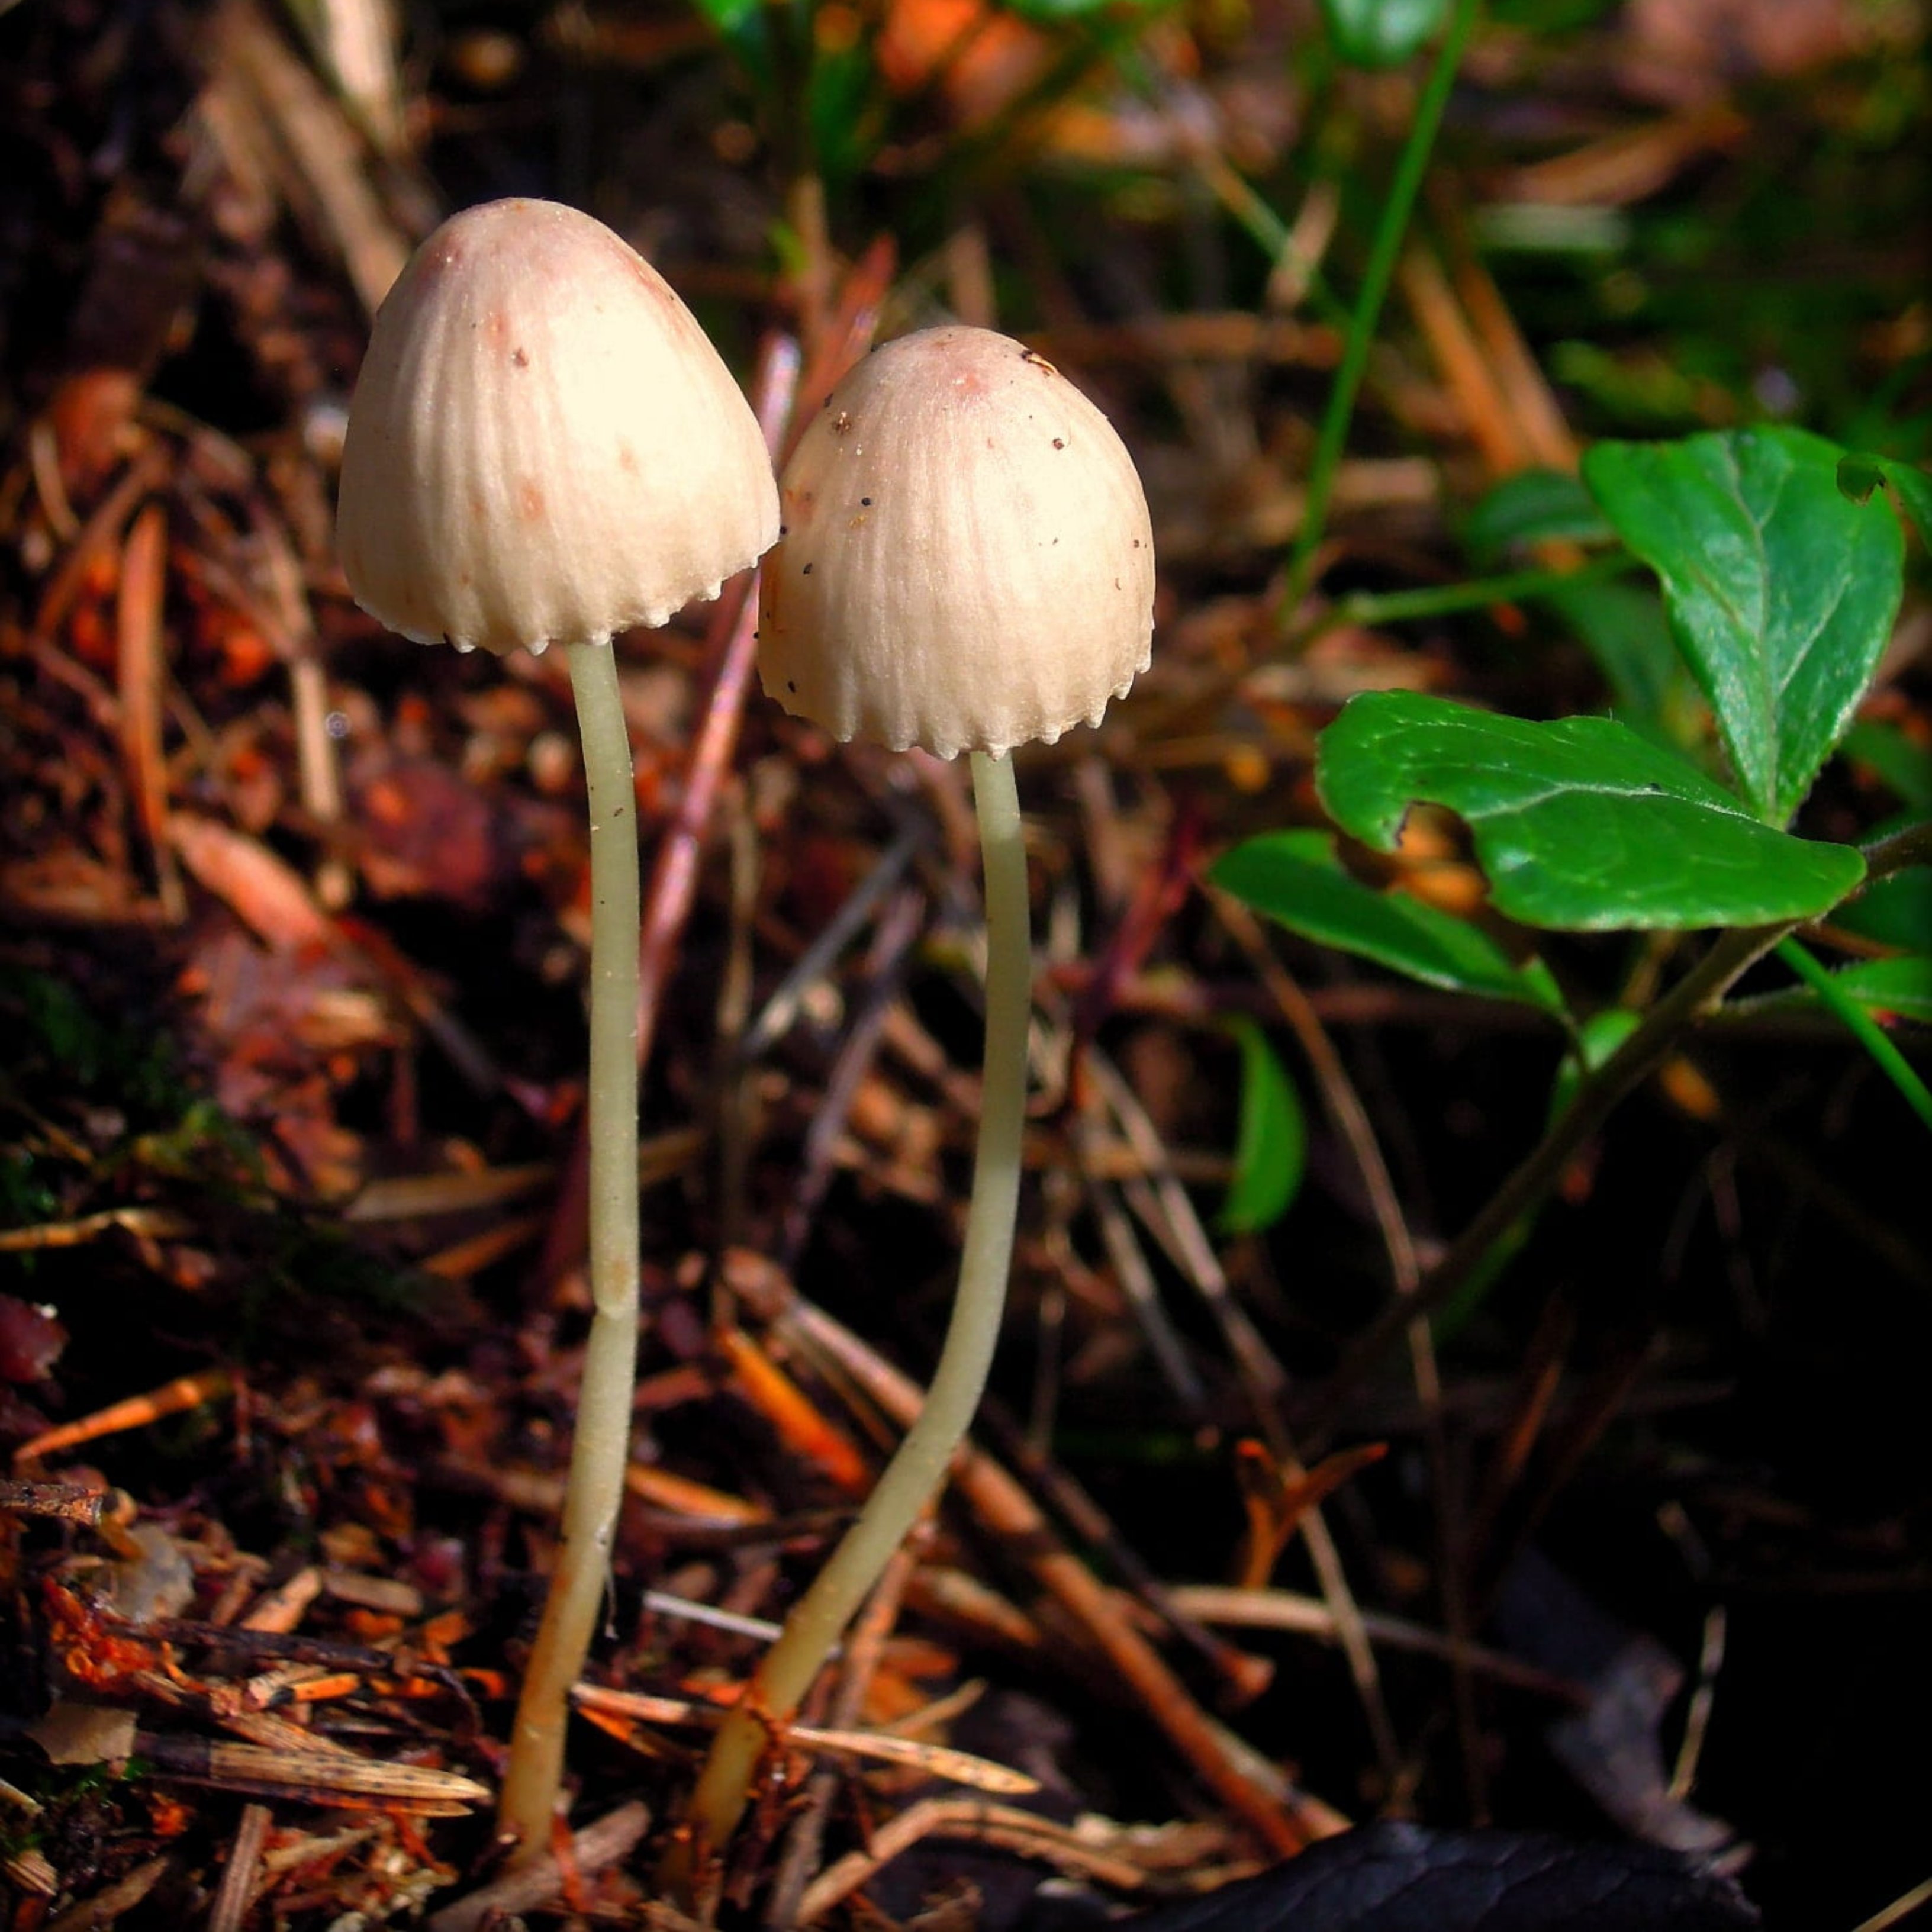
544	445
966	562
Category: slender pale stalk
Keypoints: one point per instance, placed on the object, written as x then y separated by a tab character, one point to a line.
916	1473
601	1447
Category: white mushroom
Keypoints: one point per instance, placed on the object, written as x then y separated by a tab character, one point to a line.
545	448
966	562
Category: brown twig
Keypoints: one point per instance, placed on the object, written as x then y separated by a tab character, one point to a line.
865	1644
1005	1508
974	1818
597	1846
1346	1109
244	1861
1264	1380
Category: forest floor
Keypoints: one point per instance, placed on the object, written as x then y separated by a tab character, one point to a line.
293	924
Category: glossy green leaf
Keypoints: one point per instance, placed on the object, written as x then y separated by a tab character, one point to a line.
1914	488
1581	824
1295	878
1883	987
1859	475
1894	911
1859	1020
1533	506
1623	626
1382	33
1271	1148
1781	590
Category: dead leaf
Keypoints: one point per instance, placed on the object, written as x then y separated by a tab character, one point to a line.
268	896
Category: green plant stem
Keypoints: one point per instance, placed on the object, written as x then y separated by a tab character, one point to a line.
916	1472
1395	606
1596	1097
601	1447
1383	251
1862	1027
1266	229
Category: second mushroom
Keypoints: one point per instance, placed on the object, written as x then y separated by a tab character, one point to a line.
965	563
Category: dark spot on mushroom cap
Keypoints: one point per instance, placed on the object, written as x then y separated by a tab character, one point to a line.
864	502
842	422
806	571
1060	443
1137	543
648	279
520	358
782	529
791	684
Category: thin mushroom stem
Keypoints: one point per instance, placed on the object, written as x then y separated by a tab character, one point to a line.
602	1448
915	1473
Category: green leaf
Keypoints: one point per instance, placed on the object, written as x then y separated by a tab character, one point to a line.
1046	12
1781	591
1597	1038
1271	1149
1901	986
1905	767
1896	911
837	94
1382	33
1915	491
1858	1019
1533	506
730	17
1624	625
1295	878
1860	474
1581	825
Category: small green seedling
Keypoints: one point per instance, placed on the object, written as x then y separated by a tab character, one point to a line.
1781	567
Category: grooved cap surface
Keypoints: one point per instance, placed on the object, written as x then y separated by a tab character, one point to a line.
544	445
966	562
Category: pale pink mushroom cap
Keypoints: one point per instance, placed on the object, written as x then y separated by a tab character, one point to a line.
966	562
544	445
